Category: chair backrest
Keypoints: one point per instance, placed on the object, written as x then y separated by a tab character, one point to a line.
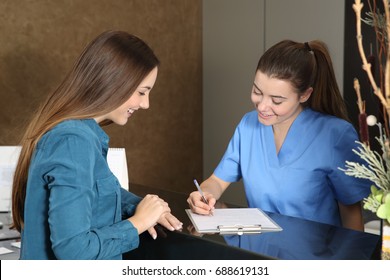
9	155
8	159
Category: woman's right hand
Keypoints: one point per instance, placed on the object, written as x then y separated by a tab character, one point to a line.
197	205
148	212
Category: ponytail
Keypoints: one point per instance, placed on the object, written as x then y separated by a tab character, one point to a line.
306	65
326	97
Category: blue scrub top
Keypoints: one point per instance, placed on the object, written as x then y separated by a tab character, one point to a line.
74	205
303	179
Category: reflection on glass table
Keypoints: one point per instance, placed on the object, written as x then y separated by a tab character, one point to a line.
306	240
300	239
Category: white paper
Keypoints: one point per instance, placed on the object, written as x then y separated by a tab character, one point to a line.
116	158
4	250
17	244
239	217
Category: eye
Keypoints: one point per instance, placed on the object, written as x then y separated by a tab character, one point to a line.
257	92
141	93
276	102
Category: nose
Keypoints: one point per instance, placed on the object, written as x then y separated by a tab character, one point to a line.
263	103
144	102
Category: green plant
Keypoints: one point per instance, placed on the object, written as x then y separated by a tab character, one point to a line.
377	171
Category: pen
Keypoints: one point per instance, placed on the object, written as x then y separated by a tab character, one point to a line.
200	191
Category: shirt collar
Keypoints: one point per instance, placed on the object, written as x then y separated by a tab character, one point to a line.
101	134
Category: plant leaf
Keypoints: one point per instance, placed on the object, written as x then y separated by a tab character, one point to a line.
384	211
374	189
381	212
379	197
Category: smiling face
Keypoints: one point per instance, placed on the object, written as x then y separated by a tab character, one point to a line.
138	100
276	101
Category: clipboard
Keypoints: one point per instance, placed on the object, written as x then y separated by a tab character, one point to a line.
234	221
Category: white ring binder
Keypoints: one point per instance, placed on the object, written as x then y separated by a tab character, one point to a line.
240	229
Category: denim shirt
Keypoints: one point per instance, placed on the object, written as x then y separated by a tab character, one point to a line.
74	206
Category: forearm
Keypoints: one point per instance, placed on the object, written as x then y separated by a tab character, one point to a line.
214	186
107	242
351	216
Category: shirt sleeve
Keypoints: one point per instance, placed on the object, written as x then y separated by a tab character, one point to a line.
348	189
70	180
229	168
129	203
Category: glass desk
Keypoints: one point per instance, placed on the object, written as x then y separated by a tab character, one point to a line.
300	239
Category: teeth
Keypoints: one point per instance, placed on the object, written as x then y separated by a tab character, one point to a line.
130	111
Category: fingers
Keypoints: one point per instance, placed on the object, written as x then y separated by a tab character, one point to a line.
178	225
195	199
153	233
170	222
198	206
158	204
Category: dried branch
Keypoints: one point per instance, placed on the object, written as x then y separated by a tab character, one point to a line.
367	66
360	102
387	73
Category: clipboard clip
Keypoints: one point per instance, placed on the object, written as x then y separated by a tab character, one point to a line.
239	229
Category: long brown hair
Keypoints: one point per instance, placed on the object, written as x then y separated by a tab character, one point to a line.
306	65
104	76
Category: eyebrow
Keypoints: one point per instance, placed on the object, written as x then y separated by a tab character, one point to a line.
146	87
274	96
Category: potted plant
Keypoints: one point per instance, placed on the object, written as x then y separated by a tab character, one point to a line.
377	167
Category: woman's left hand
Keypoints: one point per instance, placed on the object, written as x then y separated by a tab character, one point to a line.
168	221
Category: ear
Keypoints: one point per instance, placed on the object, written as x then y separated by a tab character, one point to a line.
306	95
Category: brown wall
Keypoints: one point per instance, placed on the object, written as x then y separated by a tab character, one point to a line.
40	39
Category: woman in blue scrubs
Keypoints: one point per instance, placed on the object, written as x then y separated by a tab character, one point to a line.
66	202
289	149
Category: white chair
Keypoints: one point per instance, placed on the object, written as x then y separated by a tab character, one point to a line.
373	227
9	156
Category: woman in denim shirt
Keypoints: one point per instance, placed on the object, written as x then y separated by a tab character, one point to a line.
66	202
